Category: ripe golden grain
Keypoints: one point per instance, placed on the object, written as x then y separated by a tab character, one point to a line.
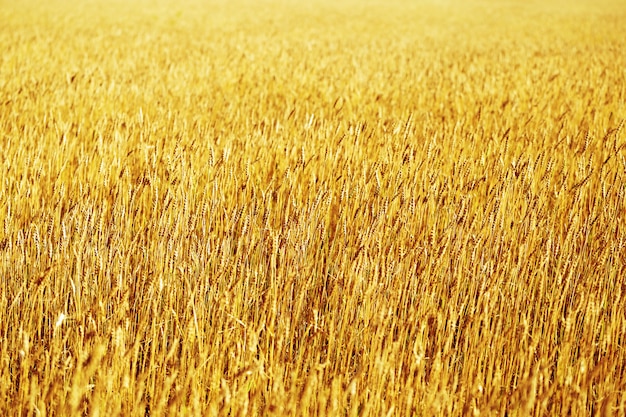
340	208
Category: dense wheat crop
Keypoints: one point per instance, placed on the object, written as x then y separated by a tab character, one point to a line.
334	207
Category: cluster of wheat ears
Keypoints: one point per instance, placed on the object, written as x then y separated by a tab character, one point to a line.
322	208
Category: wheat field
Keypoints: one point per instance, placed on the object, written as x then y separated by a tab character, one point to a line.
334	207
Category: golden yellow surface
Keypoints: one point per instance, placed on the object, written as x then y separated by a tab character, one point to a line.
330	207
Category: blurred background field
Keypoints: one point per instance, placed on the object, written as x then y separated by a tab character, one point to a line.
312	208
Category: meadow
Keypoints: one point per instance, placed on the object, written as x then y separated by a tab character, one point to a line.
334	207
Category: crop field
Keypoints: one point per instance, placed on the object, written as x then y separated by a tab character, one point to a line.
326	207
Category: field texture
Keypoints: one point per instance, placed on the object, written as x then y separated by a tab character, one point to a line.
332	207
